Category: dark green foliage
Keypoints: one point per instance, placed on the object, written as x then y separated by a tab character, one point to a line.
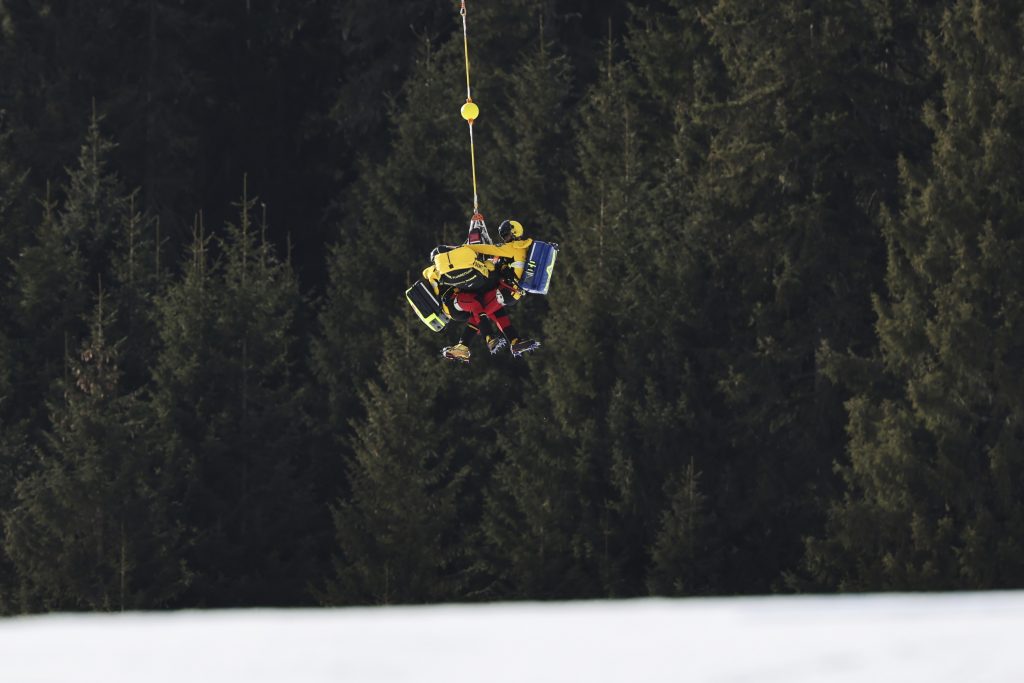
199	92
681	555
402	533
530	156
91	240
402	209
376	43
93	526
781	349
783	225
230	402
13	211
935	447
578	474
15	459
69	255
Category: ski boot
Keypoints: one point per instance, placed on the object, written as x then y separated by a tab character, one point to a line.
459	352
495	343
519	347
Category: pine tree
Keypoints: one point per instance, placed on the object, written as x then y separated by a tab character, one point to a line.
629	430
681	553
554	517
400	210
404	529
229	394
93	527
138	274
14	453
778	254
528	163
49	276
70	255
54	65
935	438
15	461
377	60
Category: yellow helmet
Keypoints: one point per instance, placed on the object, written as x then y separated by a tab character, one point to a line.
510	230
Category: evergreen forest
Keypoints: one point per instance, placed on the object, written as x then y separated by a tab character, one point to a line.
783	349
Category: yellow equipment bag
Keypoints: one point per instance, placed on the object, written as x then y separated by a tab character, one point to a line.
427	306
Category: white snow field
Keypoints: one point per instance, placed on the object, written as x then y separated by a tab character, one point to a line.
939	638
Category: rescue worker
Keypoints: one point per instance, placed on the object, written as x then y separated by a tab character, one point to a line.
479	287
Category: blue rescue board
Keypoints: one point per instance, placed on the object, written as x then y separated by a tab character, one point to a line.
540	261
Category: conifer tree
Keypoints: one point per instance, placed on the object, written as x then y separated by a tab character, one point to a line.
138	274
146	65
680	552
654	416
935	461
229	395
377	59
404	529
621	295
782	253
14	454
93	527
529	161
49	276
70	255
553	517
15	462
400	210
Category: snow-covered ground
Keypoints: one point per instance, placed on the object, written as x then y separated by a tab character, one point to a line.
954	638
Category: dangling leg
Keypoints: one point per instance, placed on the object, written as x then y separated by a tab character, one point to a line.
468	302
479	322
496	312
469	333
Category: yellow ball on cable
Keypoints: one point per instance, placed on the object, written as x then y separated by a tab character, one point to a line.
470	111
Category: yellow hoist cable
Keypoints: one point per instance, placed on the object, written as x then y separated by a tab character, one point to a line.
470	111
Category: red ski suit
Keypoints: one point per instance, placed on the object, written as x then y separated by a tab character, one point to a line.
479	304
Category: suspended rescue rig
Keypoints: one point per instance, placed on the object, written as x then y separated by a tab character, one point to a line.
523	265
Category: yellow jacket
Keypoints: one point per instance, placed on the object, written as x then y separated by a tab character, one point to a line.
460	267
515	251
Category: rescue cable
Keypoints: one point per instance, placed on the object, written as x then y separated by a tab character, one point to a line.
470	111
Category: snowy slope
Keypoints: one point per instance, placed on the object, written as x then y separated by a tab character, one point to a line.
954	638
